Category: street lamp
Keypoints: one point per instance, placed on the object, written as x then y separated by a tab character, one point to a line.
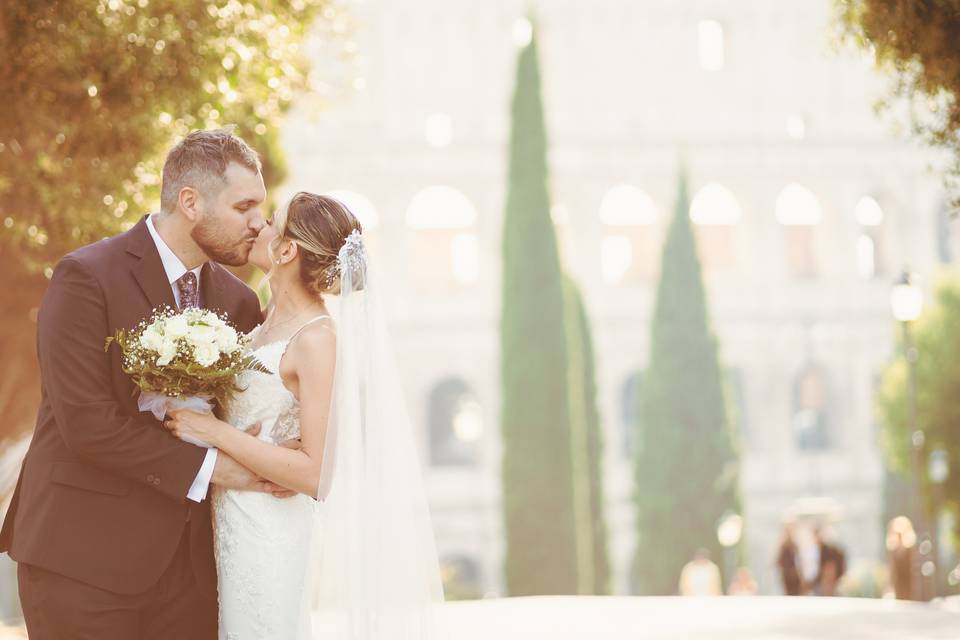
938	470
906	299
906	302
729	532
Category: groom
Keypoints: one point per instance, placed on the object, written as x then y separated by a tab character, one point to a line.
110	520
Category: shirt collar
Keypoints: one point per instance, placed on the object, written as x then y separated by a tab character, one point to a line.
171	263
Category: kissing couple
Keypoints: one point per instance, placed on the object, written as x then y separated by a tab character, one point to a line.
306	516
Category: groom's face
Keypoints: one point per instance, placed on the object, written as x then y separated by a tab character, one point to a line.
231	218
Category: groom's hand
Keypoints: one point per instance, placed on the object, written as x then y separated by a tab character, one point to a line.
294	444
230	474
276	490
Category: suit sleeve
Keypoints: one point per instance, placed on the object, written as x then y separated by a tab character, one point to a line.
76	376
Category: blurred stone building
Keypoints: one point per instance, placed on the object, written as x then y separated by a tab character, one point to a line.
806	206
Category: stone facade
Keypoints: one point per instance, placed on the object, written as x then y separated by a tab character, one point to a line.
749	95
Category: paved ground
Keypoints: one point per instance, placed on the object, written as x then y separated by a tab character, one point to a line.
762	618
613	618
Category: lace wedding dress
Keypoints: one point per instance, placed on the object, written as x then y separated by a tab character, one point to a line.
263	545
360	561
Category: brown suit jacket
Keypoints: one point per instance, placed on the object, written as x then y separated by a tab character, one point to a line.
101	496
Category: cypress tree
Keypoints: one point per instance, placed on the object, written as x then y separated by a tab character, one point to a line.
535	420
587	450
686	465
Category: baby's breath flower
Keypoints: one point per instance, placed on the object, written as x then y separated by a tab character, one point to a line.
185	354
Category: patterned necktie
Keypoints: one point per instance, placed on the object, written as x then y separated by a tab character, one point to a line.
187	286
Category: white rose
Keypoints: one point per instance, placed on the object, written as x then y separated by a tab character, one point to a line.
176	327
227	339
205	354
151	339
201	335
167	351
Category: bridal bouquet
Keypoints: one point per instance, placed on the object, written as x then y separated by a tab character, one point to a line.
184	360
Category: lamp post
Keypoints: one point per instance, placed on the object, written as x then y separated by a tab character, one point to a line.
729	532
906	302
938	470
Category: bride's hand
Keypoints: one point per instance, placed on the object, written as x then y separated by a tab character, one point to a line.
201	426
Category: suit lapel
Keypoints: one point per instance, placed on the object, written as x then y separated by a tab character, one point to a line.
211	288
148	271
217	295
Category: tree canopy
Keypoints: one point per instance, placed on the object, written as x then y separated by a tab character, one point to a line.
915	41
93	95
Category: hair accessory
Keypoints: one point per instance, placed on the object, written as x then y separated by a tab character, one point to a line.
352	256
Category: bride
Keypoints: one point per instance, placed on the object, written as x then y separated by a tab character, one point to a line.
352	551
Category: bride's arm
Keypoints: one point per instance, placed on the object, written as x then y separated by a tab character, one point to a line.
313	358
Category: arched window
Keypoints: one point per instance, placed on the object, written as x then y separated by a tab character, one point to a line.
359	205
628	251
796	126
715	213
799	212
798	206
438	130
630	413
365	212
446	247
869	217
441	207
710	45
811	418
456	424
625	205
714	204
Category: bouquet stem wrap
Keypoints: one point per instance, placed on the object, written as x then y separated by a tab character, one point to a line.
160	404
184	360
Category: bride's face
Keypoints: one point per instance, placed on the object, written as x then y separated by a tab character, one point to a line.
260	253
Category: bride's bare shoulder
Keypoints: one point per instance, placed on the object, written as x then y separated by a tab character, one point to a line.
316	343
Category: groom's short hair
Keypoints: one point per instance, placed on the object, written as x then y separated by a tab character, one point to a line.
200	160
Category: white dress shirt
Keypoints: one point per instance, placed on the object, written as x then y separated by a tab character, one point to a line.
175	270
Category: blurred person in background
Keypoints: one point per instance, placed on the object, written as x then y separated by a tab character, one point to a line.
788	562
901	550
701	576
832	565
743	583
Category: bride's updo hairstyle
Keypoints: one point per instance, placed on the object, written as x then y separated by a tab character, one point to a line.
320	226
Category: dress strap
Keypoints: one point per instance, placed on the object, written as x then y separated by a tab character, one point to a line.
286	343
304	326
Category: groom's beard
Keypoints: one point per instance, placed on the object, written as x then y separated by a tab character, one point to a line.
209	237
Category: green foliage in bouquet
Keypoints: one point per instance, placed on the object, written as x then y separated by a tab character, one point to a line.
195	353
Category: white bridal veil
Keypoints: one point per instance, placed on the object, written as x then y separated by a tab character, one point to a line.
376	575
